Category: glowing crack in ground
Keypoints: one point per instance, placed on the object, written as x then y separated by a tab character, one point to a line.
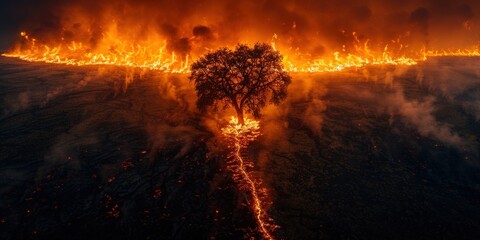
239	136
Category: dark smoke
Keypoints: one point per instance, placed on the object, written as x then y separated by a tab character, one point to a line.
203	32
190	26
419	18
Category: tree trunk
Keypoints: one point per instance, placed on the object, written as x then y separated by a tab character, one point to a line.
240	115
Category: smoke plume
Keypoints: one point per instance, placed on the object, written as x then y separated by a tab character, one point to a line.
191	27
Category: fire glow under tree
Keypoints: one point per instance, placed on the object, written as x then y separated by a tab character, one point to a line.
244	79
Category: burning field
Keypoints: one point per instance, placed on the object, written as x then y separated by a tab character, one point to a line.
172	120
314	36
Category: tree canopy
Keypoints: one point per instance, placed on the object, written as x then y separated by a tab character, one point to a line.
245	78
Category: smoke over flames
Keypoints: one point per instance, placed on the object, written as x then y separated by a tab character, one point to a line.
192	27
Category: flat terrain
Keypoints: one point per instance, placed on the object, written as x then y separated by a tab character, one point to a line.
375	153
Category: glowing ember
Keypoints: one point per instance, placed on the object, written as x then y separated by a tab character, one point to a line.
240	136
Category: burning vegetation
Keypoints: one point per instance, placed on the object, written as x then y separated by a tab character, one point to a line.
314	36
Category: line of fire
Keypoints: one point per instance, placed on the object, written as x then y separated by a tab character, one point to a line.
155	56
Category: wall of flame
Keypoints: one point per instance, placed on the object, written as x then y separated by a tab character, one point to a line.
166	35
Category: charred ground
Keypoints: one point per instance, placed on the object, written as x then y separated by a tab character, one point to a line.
368	154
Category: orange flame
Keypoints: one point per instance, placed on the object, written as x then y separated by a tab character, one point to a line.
153	55
472	52
150	55
240	136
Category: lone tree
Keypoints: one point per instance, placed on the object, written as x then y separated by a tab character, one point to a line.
244	79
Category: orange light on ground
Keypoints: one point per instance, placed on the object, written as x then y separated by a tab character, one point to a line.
239	136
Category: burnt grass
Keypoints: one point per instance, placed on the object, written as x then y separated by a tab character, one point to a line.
81	157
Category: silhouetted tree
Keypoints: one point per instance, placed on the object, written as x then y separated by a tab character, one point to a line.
244	79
